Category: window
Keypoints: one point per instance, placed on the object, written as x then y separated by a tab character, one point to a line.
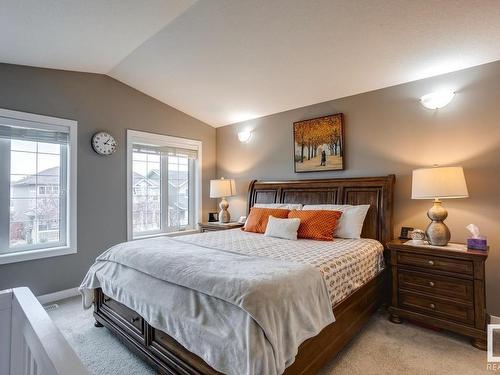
37	186
146	207
163	184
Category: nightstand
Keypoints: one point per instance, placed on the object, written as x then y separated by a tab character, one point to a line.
214	226
439	287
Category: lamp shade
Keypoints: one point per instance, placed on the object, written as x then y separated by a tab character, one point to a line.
439	182
222	188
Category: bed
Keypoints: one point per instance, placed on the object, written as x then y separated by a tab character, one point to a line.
359	298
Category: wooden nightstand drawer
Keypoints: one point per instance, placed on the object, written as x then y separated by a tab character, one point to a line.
457	266
439	307
436	285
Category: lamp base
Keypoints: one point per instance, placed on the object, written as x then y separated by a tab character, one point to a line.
224	216
437	232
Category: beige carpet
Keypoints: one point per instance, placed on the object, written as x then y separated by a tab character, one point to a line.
380	348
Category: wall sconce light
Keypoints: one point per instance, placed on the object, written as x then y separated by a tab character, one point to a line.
245	136
438	99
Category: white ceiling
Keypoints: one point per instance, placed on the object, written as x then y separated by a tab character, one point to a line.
223	61
83	35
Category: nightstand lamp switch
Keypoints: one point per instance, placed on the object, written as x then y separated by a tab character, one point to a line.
438	183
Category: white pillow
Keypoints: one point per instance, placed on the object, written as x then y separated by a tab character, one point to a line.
282	228
350	223
285	206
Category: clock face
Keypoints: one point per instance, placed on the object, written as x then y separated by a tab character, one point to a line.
103	143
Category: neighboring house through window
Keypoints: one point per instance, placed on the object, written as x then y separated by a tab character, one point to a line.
164	177
37	186
48	190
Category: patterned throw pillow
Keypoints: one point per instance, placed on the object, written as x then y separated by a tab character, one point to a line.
350	224
257	220
316	224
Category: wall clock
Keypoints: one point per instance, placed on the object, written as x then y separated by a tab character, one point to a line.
103	143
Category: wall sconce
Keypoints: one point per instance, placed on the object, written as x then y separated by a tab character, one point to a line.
438	99
245	136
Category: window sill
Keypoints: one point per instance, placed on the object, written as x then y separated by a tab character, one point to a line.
22	256
169	234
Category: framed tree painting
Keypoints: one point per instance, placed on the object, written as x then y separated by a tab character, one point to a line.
319	144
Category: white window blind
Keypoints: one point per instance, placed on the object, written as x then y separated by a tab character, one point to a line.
35	179
33	132
166	150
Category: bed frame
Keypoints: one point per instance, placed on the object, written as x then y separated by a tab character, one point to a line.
169	357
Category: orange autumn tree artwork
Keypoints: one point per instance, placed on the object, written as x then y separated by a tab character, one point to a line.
319	144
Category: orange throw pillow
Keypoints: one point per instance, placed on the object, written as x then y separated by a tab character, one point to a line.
316	224
258	218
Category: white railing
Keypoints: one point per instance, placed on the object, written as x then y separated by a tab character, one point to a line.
30	343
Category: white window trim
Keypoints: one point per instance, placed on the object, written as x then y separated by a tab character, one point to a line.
135	136
71	247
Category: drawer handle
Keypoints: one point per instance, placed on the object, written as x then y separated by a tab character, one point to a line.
432	306
431	262
431	283
134	319
106	299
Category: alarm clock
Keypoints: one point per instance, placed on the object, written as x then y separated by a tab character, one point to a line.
103	143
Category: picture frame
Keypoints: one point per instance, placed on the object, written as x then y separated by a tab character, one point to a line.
406	233
319	144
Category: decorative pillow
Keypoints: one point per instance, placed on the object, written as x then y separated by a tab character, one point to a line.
350	223
287	206
316	225
257	220
282	228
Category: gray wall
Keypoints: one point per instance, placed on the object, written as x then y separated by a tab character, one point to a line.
388	131
97	102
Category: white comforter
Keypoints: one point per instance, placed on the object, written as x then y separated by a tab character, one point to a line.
232	337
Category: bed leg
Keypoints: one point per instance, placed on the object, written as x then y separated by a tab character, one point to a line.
98	325
479	343
394	318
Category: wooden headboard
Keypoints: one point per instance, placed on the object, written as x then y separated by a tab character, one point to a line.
375	191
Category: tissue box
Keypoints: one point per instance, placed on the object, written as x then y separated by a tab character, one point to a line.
477	243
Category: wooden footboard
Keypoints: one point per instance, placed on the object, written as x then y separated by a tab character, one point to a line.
169	357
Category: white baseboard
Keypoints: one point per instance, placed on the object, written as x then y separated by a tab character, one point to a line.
494	319
56	296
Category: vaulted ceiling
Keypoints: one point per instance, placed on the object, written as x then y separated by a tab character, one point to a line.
224	61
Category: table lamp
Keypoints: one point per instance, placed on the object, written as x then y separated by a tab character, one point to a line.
222	188
438	183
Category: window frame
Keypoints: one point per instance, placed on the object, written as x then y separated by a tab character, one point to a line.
48	122
161	140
